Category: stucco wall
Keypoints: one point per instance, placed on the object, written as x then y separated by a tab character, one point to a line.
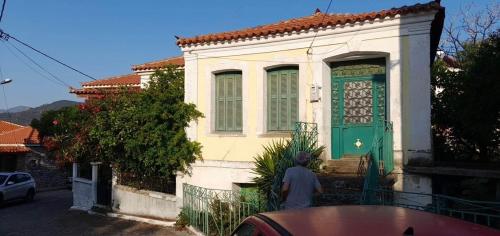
82	194
132	201
215	174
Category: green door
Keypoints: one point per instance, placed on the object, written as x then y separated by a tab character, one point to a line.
358	103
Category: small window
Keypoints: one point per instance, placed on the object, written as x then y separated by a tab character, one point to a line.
228	102
282	98
245	229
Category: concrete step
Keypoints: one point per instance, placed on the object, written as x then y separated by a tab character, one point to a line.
342	166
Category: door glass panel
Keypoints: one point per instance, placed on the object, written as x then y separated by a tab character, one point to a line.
358	102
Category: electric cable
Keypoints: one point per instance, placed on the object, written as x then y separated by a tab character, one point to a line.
3	8
8	36
33	69
317	31
39	66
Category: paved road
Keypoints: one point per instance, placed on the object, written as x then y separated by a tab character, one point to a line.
48	215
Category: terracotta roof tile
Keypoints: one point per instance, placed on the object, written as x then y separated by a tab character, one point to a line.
176	61
122	80
7	126
24	135
101	91
14	149
317	20
15	140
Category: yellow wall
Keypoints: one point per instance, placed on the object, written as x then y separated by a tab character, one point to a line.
231	148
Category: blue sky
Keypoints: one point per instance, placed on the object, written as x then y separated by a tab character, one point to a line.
104	38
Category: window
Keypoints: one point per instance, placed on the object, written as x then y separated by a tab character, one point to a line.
282	98
228	102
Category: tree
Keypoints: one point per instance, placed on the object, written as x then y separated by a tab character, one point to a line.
466	113
139	133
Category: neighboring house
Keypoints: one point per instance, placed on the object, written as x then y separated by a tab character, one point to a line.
22	150
134	81
356	76
19	146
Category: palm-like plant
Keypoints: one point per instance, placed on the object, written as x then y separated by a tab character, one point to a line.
266	164
270	166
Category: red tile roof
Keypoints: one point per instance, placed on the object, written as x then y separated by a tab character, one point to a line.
7	126
24	135
176	61
16	139
317	20
122	80
101	91
14	149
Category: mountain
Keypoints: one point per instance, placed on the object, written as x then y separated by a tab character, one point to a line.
15	109
24	117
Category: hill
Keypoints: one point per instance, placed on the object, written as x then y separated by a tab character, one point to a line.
24	117
15	109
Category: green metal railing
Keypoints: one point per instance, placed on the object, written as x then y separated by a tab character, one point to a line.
218	212
479	212
382	147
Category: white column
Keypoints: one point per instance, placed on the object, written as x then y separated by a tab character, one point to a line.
75	175
95	169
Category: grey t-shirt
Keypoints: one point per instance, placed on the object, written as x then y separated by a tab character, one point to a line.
302	184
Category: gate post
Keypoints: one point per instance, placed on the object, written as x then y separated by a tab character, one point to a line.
75	175
95	169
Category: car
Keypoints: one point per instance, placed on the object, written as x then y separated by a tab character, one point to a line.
357	220
16	185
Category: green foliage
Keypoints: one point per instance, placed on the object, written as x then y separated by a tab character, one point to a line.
466	113
182	220
139	133
270	166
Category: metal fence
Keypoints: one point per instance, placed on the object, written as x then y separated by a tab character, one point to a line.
218	212
479	212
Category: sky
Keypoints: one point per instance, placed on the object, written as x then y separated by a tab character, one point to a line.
104	38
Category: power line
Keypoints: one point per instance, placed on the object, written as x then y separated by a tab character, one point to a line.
8	36
33	69
3	8
316	34
39	66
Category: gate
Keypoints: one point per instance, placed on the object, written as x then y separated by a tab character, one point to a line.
104	185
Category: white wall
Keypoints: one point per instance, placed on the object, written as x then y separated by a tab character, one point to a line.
136	202
82	194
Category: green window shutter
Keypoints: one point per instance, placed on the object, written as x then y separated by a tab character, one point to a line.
284	115
293	98
282	109
228	102
238	102
272	106
220	104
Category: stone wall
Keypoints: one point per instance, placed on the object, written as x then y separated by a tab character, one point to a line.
44	170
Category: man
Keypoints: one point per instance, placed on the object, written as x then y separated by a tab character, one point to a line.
300	183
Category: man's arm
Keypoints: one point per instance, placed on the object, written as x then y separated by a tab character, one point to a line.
317	185
286	186
284	190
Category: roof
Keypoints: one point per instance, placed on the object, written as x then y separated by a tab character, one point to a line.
315	21
16	139
101	91
122	80
375	220
154	65
7	126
